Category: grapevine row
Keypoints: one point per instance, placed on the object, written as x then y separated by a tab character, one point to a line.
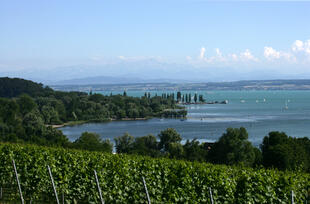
168	181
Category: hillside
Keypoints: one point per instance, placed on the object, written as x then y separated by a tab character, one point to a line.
13	87
29	109
168	181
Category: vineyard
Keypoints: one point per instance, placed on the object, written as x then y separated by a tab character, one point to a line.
119	176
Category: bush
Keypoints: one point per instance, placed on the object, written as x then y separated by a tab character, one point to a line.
92	141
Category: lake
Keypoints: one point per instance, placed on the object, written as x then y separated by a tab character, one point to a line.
258	111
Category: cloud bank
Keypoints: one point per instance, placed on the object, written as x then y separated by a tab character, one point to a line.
297	54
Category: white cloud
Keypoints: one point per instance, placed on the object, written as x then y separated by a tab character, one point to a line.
301	47
202	53
220	59
218	52
234	57
219	55
299	53
307	47
247	56
271	53
212	59
297	46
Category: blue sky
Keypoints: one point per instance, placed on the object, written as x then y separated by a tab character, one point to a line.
36	34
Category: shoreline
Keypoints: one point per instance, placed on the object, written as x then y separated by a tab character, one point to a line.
73	123
202	103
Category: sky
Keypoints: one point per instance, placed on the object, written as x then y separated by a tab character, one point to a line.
214	39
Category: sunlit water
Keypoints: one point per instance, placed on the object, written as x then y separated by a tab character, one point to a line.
258	111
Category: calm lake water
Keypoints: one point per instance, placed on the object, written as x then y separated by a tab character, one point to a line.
258	111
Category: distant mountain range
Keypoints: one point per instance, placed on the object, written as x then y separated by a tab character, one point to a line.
126	84
145	71
115	80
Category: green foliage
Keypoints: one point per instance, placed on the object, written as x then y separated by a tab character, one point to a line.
167	137
57	107
175	150
146	145
9	109
93	142
13	87
283	152
195	98
124	144
194	151
168	180
26	118
179	96
26	104
21	121
233	148
201	99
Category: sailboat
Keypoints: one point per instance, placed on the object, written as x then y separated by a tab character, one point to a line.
286	106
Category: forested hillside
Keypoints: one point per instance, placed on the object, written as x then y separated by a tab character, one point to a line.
12	87
27	108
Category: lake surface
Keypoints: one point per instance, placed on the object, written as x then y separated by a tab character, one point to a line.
258	111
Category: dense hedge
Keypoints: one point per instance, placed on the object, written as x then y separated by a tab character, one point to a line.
168	181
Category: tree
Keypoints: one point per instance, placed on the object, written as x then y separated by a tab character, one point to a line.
50	115
168	136
178	96
120	113
195	97
283	152
33	119
233	148
201	99
124	144
146	145
190	98
53	137
13	87
175	150
125	94
26	104
8	111
93	142
156	107
193	151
